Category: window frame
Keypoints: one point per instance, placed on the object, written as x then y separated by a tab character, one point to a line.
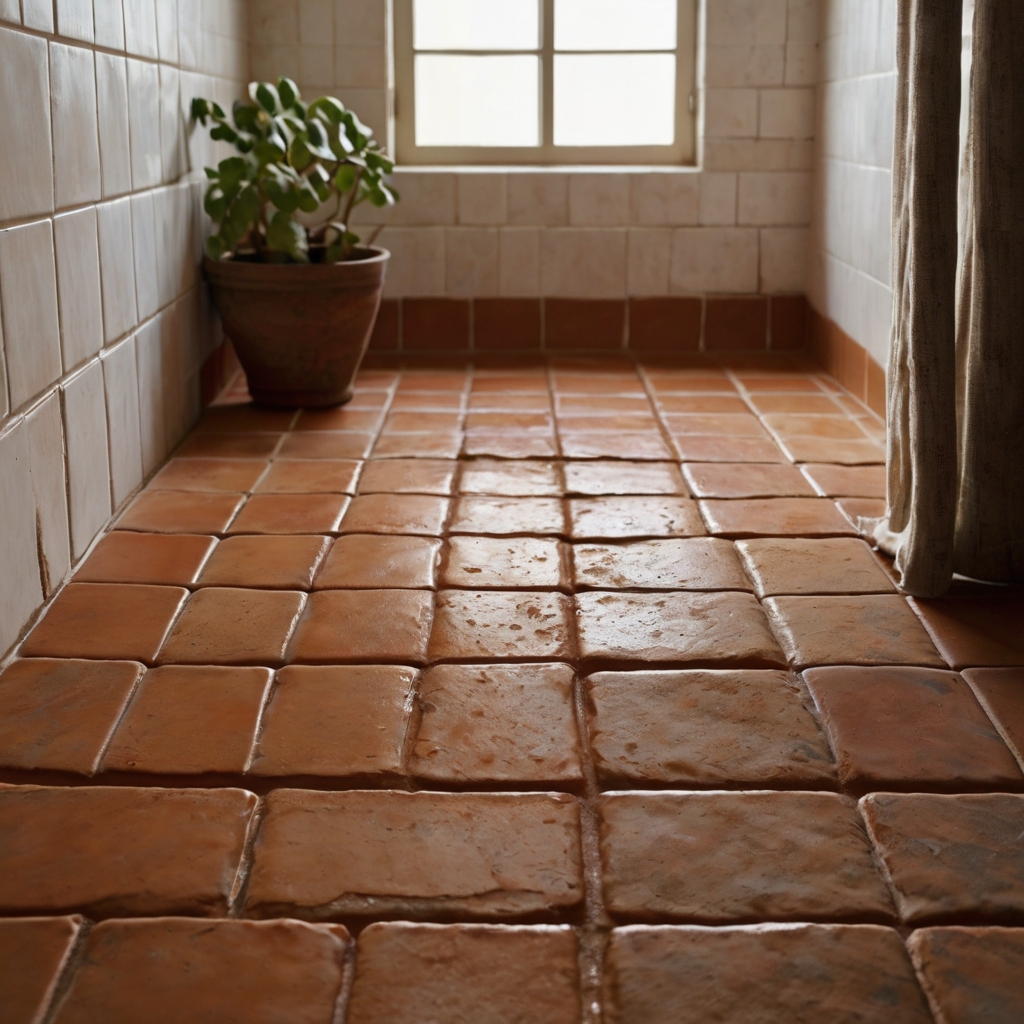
682	153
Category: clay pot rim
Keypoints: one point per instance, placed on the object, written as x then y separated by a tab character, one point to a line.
350	274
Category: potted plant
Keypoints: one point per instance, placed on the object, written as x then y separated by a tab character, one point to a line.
296	289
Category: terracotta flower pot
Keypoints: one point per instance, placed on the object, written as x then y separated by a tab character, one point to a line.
300	330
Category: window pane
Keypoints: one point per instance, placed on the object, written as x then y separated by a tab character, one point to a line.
476	24
615	24
615	99
477	101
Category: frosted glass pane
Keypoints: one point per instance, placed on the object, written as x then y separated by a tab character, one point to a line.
615	99
476	24
477	101
615	24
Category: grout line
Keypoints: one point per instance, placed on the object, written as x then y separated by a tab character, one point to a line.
243	872
66	974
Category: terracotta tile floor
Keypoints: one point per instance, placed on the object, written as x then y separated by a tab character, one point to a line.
555	694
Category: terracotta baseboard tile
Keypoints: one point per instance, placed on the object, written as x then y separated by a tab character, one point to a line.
736	324
386	330
661	326
431	325
789	323
584	324
506	325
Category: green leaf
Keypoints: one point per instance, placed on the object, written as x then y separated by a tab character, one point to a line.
266	96
211	173
246	116
284	235
215	203
288	91
331	108
215	247
334	254
233	170
224	132
379	162
244	210
320	180
345	178
299	155
217	110
309	201
268	151
199	110
282	195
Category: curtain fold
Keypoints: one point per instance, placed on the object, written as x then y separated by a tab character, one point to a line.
955	384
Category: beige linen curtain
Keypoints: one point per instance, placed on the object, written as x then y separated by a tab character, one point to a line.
955	391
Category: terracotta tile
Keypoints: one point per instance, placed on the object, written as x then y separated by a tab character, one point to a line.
364	625
667	325
434	379
408	476
584	324
702	403
790	325
736	324
837	973
516	479
127	557
774	517
435	324
342	417
475	625
428	401
115	850
699	563
909	728
872	629
635	445
222	626
971	974
715	858
213	475
506	325
716	729
615	477
58	714
503	855
190	720
291	513
283	563
588	405
756	382
186	970
745	480
422	422
442	444
504	562
601	421
246	418
503	383
465	973
999	692
310	476
335	721
419	514
821	449
539	422
631	516
503	444
229	446
973	632
508	516
719	424
379	561
805	403
105	620
686	628
326	444
861	508
839	565
180	512
496	724
708	448
832	427
702	381
847	481
950	858
574	380
32	953
496	401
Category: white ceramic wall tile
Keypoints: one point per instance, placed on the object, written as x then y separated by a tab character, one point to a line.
718	198
758	155
316	21
108	18
803	22
471	261
75	19
152	433
316	69
49	487
37	14
363	67
10	10
5	407
28	294
189	32
428	199
482	198
21	593
730	113
167	30
598	199
144	123
417	264
738	22
774	197
172	127
85	427
117	262
140	28
112	104
78	285
784	259
787	114
714	260
649	261
76	150
583	262
659	198
24	116
147	277
519	261
538	199
365	20
801	64
735	67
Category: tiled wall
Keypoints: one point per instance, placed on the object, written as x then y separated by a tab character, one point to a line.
736	225
104	325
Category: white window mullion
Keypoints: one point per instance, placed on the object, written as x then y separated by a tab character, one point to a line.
547	64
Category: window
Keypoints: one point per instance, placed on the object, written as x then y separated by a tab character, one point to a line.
545	81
